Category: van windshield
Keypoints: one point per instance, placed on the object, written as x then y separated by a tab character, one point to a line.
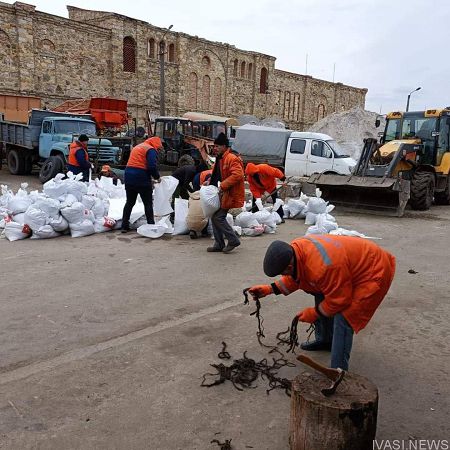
338	152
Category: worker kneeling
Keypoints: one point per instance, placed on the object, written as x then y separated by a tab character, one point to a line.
263	178
348	276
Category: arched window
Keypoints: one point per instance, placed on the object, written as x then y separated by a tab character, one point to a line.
151	48
206	62
193	88
206	98
235	67
129	54
5	50
320	111
296	107
287	104
250	71
263	81
243	69
172	53
217	95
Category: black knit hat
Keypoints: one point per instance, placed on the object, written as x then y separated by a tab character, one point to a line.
221	139
278	256
83	138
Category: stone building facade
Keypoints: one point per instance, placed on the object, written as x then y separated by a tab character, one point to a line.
96	53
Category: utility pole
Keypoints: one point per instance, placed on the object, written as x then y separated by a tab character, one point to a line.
409	96
162	84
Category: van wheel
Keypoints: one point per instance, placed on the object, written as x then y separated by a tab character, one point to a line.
443	198
51	167
16	162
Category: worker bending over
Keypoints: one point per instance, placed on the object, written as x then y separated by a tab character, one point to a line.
142	166
263	178
349	277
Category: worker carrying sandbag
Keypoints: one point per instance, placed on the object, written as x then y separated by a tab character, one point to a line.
142	166
78	160
349	277
263	178
228	176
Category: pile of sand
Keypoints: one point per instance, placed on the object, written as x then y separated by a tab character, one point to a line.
349	128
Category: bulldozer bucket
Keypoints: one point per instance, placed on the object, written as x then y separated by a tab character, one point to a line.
386	196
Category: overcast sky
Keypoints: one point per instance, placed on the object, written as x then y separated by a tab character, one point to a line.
390	47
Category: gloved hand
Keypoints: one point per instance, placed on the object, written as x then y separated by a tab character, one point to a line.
308	315
260	290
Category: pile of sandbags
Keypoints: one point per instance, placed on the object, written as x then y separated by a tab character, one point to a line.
67	205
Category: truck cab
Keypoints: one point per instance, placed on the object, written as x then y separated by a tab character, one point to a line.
309	153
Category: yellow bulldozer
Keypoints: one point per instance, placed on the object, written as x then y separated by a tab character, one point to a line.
410	165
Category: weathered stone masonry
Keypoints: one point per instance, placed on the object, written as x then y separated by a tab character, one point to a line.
95	53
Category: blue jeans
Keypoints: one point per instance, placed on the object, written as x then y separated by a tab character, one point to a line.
337	331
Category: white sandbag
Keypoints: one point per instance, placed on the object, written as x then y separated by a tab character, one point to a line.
310	218
80	229
59	223
19	218
237	230
35	218
88	201
264	217
154	231
286	211
248	206
269	230
19	203
296	208
345	232
15	231
181	212
276	218
104	224
322	226
162	194
278	203
76	188
99	208
259	204
210	200
246	220
67	200
254	231
49	205
141	221
55	188
6	196
73	213
88	215
316	205
230	220
5	219
45	232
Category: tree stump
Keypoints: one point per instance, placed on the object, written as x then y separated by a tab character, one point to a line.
347	420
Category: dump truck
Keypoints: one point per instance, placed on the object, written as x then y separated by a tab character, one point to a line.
45	141
16	108
410	165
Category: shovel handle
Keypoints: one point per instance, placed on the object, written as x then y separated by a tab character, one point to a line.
332	374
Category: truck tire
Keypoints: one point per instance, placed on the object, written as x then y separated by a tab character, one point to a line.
16	162
443	198
51	167
422	190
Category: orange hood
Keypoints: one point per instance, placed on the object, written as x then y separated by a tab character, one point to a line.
155	142
251	169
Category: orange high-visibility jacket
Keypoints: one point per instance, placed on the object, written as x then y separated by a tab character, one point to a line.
138	155
232	184
267	175
353	274
74	147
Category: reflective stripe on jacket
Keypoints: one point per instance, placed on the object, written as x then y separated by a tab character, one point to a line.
352	273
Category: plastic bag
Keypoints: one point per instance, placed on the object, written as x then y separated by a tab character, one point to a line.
88	201
55	187
59	224
322	226
162	194
316	204
210	201
19	218
19	203
344	232
296	208
237	230
253	231
73	213
49	205
104	224
310	218
181	212
35	218
264	217
15	231
154	231
67	200
277	204
83	228
98	209
259	204
230	220
276	218
45	232
246	220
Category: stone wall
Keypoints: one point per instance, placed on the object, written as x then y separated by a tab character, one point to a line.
95	53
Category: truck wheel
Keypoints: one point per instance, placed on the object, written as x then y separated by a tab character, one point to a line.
422	190
443	198
51	167
16	162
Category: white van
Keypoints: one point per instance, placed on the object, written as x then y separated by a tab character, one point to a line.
299	154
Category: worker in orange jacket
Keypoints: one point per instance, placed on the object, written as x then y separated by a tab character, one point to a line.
349	277
229	171
263	178
78	160
142	166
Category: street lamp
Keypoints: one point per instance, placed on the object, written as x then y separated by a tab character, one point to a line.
409	95
162	52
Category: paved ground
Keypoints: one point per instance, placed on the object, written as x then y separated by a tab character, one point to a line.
104	340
